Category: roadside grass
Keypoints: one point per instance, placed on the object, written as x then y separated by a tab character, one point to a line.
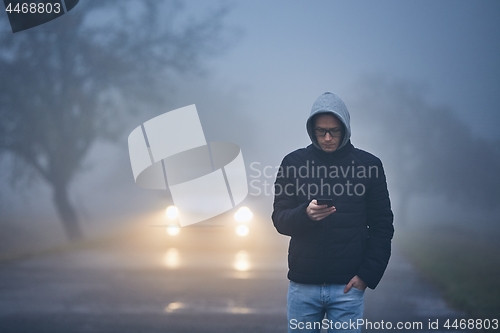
464	265
57	249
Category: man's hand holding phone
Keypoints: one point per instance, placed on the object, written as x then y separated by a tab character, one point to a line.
317	212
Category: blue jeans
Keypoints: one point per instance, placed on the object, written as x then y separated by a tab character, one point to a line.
309	303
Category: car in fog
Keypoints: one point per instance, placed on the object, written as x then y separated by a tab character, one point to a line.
242	218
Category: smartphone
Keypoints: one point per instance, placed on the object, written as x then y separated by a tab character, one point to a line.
328	202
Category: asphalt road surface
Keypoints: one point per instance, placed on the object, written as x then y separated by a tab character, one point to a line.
205	279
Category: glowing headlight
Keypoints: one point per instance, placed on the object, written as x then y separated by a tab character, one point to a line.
242	230
244	214
172	212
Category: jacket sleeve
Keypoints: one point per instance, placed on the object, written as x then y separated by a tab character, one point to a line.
289	217
380	230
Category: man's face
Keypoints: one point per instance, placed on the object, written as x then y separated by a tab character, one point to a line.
328	130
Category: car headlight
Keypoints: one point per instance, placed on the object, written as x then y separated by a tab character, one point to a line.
244	214
172	212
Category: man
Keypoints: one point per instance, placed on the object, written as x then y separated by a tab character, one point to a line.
335	252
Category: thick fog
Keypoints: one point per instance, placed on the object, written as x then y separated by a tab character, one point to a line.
420	79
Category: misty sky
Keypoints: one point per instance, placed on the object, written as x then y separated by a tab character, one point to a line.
292	51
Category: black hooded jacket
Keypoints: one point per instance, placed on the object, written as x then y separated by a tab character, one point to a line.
354	240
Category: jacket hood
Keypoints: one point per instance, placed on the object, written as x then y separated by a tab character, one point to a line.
330	103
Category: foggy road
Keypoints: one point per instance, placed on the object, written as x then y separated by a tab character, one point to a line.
205	280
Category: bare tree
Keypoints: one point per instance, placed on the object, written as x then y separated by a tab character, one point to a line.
65	84
428	150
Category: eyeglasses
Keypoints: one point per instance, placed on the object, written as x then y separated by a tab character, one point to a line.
334	132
